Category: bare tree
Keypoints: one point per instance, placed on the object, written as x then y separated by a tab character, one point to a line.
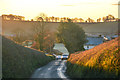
98	20
90	20
111	17
46	19
18	35
49	41
52	18
76	19
56	19
81	20
39	30
108	18
64	18
42	35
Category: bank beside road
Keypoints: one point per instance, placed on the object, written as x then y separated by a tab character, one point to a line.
101	61
19	61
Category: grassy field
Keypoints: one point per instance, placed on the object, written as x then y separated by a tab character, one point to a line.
100	62
20	62
104	28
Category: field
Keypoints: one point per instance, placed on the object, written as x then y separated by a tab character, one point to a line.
100	62
105	28
20	62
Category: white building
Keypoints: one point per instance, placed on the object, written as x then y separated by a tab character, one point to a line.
92	42
61	47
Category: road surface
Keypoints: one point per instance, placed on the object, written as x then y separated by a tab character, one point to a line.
54	69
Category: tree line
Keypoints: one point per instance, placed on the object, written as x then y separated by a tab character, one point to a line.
108	18
13	17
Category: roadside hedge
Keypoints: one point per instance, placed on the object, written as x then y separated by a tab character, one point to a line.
19	61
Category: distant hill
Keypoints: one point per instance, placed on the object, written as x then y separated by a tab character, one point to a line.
106	28
100	62
20	62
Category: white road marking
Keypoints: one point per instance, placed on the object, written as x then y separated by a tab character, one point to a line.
49	68
41	74
39	69
59	70
56	63
63	71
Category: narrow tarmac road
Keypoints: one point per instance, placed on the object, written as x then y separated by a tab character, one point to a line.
54	69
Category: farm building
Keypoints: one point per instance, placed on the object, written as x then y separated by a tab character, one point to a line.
92	42
60	47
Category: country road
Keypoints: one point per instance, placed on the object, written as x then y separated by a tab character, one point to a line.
54	69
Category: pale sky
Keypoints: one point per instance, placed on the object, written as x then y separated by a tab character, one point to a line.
60	8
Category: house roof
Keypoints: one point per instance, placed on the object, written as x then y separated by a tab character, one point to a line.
115	36
94	40
60	47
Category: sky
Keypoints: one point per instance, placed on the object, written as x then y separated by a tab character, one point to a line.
60	8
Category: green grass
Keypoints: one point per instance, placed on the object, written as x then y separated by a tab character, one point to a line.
20	62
